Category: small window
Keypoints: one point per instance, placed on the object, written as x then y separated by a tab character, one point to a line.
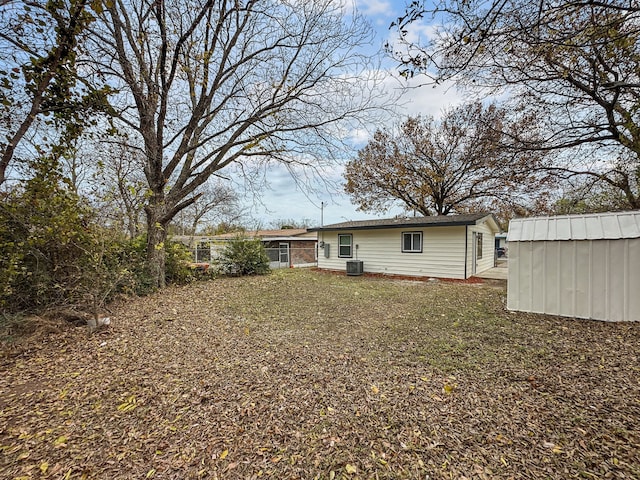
412	242
345	243
479	246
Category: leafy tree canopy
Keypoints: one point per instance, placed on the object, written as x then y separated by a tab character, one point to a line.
574	65
40	76
452	165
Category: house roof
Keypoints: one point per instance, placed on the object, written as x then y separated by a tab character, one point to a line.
596	226
413	222
264	235
283	234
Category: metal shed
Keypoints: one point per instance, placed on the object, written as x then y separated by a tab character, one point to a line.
585	266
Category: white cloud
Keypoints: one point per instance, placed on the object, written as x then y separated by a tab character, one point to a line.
359	136
419	32
375	7
423	99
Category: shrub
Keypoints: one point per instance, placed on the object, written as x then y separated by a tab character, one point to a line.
46	243
178	261
243	256
54	253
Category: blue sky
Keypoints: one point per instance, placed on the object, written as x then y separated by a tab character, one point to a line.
286	200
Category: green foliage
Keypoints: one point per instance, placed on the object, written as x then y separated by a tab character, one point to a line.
243	256
132	253
54	253
39	77
45	242
178	263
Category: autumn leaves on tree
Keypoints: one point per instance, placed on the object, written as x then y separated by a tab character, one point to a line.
457	164
574	66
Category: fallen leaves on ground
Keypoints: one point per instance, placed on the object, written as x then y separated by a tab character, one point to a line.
302	374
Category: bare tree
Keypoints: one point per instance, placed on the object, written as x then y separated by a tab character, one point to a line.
217	204
588	195
453	165
290	223
117	186
574	64
209	83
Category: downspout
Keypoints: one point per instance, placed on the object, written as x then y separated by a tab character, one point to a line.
466	240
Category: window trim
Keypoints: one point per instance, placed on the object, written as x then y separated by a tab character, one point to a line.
479	245
420	250
350	236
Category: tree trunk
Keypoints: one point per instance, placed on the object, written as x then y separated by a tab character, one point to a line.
156	237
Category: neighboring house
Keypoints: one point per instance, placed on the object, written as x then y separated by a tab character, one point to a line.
454	246
585	266
285	248
201	246
501	240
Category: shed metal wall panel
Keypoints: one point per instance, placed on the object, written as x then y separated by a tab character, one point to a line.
582	252
596	279
585	266
633	283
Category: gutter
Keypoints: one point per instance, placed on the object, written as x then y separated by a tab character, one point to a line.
458	223
466	241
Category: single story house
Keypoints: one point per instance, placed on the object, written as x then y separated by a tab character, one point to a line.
453	246
585	266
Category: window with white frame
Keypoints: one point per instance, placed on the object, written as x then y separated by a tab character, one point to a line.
479	246
412	242
345	245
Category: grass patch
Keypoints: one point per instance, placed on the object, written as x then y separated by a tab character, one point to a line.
302	374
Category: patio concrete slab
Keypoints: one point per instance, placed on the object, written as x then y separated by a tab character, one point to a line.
500	272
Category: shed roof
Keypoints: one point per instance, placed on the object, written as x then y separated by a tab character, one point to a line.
403	222
596	226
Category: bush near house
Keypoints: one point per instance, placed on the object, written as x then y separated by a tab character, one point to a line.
243	256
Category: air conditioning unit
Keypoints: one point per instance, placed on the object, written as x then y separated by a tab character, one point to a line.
355	267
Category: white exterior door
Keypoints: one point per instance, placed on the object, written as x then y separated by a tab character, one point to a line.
284	254
474	253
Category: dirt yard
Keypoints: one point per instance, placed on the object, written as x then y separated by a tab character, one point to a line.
309	375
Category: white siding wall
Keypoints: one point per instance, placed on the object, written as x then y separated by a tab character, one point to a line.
443	251
488	248
595	279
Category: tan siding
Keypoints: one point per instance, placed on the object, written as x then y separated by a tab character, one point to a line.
381	252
